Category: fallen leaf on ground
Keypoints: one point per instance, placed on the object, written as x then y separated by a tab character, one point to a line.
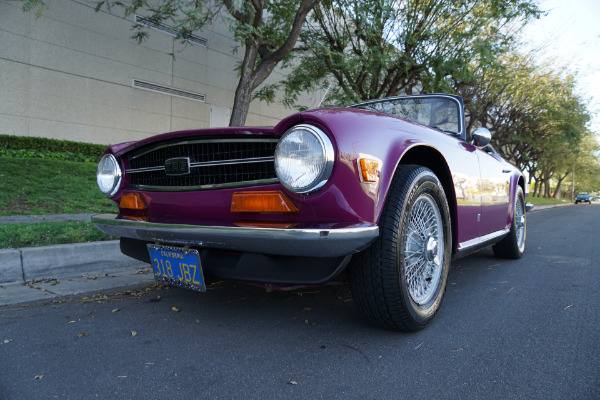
569	306
7	341
133	333
115	310
175	309
38	377
81	334
293	382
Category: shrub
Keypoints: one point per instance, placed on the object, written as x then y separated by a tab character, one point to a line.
51	149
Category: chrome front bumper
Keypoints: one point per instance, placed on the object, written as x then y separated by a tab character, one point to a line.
286	242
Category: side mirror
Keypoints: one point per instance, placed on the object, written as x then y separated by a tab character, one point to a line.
481	137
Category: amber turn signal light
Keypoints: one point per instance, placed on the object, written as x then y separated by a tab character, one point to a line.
262	202
132	201
369	169
133	207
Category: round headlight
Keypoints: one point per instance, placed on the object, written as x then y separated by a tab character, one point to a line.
304	159
109	175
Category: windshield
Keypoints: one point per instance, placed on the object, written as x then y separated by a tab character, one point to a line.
441	113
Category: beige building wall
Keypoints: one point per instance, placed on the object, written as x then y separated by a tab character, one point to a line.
69	75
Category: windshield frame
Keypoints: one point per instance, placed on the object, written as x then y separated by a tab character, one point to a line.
458	100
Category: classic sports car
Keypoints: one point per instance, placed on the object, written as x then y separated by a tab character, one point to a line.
389	190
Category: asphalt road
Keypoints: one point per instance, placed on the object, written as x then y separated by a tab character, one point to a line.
526	329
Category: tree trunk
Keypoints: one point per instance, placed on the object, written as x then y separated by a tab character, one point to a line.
243	92
252	75
536	187
241	106
560	181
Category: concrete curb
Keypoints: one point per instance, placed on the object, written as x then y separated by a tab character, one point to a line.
548	206
35	263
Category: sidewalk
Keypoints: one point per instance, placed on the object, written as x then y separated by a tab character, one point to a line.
41	273
546	207
48	272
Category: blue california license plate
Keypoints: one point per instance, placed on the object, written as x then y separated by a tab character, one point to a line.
177	266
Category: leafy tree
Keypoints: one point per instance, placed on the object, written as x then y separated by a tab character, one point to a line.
267	30
538	122
368	49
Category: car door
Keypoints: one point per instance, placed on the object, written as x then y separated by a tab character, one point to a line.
464	164
495	191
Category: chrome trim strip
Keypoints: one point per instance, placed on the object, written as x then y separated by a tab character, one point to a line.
140	153
234	161
287	242
205	187
483	239
147	169
238	161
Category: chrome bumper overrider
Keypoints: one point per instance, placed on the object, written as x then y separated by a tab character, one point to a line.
287	242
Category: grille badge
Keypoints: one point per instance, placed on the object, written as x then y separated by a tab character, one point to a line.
177	166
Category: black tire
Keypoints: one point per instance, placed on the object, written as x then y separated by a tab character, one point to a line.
513	245
378	276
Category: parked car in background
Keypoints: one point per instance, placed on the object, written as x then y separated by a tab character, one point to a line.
583	198
388	190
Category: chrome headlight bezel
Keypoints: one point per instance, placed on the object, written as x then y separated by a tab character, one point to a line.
317	179
108	175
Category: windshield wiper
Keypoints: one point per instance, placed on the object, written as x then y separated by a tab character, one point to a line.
445	130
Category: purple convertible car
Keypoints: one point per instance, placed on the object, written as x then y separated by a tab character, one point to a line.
388	190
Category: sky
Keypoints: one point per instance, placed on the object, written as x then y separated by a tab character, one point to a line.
571	35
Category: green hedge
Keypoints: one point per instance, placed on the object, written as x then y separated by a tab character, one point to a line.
51	149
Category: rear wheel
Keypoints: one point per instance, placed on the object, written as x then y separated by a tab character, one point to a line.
513	245
399	282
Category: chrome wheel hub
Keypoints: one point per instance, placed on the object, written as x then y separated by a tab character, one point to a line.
431	248
423	249
520	222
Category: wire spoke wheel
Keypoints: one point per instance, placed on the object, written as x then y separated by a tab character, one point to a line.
423	249
399	282
513	245
520	222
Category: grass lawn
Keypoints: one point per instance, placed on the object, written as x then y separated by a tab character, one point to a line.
36	187
48	233
541	201
31	186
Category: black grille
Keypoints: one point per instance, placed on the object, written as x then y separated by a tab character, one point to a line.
239	162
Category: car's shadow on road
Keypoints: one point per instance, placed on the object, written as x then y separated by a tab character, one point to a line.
325	307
